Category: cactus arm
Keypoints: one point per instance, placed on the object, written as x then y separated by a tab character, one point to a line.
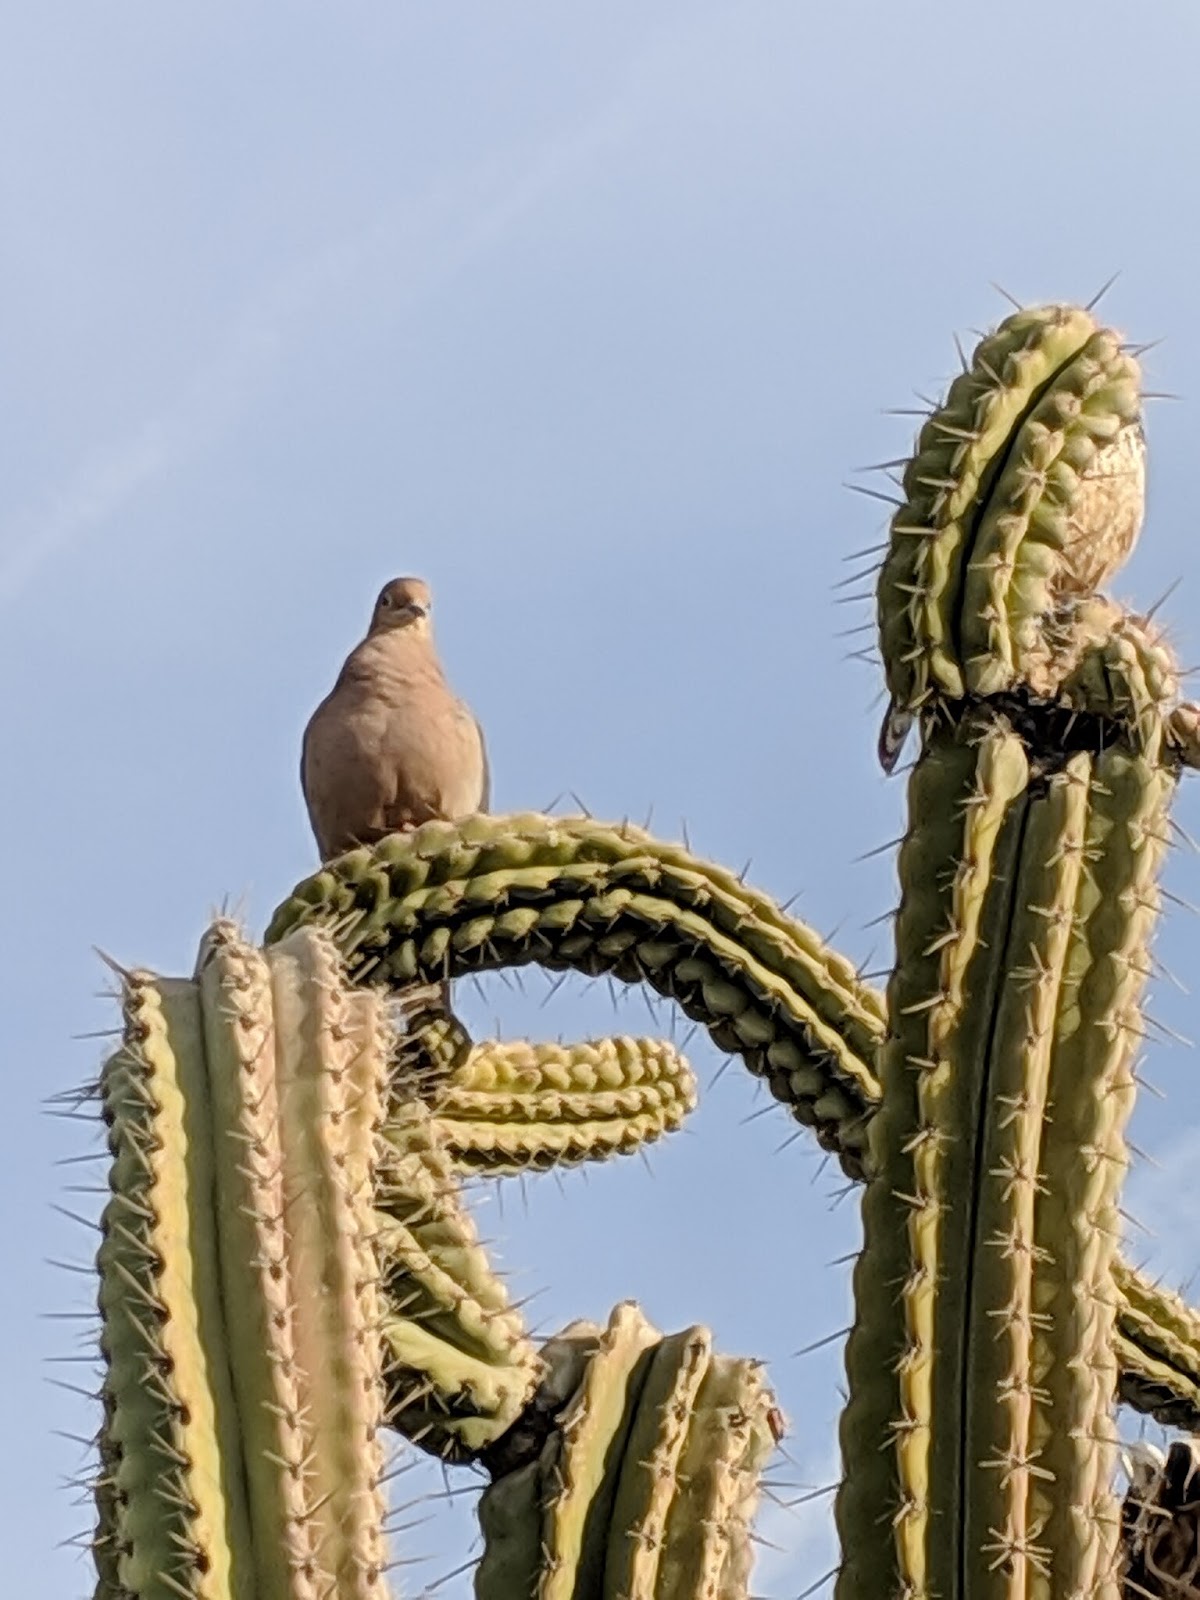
514	1107
945	482
1025	527
1158	1346
172	1509
459	1366
650	1468
707	1545
571	893
239	1026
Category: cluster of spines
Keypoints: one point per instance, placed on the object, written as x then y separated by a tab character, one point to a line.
644	1487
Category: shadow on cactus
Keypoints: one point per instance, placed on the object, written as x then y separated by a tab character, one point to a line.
289	1266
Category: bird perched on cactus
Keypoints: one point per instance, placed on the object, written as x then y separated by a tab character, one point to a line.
391	746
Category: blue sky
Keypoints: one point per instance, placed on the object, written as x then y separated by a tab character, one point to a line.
587	315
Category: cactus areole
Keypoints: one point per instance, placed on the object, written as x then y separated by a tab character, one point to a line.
288	1266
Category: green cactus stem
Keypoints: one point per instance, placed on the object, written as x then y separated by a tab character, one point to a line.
1000	1137
239	1292
647	1480
458	1365
515	1107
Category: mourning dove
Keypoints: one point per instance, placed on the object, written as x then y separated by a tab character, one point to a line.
391	746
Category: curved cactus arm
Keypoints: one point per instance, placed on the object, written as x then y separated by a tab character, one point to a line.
515	1107
1157	1344
458	1365
506	891
645	1474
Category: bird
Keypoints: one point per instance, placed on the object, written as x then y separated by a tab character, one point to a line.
391	746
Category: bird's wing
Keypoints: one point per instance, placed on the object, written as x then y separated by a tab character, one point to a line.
485	779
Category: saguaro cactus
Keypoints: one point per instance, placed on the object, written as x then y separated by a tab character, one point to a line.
288	1262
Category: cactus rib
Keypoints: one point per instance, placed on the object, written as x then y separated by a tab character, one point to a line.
172	1509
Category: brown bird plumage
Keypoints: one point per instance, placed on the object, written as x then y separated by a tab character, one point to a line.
391	746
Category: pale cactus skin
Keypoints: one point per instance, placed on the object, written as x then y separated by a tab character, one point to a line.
289	1266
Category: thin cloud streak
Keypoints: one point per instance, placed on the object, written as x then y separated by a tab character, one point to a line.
449	229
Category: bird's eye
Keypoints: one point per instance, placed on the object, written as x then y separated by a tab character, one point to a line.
385	600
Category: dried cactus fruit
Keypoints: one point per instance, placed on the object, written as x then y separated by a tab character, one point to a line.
1160	1523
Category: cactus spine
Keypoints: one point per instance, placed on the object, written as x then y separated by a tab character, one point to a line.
288	1263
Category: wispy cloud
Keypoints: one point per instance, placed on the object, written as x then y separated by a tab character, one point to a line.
400	260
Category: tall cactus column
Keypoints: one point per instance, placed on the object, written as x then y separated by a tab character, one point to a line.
982	1375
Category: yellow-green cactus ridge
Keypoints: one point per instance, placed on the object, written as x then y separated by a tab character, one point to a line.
1061	516
172	1502
514	1106
292	1098
459	1366
1096	1036
498	891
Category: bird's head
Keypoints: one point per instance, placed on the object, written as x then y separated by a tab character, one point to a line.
403	603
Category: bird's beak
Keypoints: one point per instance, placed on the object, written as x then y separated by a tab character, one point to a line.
414	610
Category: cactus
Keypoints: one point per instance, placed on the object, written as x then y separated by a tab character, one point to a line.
289	1263
646	1482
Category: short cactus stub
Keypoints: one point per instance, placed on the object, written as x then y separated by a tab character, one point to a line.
647	1481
